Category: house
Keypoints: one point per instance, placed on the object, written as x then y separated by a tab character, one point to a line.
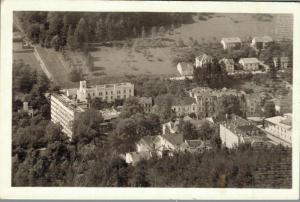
280	127
146	103
170	127
194	146
184	106
168	144
260	43
281	62
249	64
109	114
146	143
202	60
231	43
134	157
236	130
185	69
228	64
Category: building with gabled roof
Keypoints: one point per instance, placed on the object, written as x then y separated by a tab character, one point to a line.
184	106
231	42
260	43
134	157
249	64
228	64
281	62
202	60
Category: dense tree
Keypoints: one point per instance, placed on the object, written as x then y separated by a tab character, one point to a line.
132	106
269	109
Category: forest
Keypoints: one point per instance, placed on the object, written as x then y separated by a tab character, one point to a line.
77	28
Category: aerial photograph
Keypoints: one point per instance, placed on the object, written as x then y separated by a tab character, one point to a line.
152	99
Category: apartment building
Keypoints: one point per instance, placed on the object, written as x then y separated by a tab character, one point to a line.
249	64
64	112
106	92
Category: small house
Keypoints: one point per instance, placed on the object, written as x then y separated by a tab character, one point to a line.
231	43
249	64
185	69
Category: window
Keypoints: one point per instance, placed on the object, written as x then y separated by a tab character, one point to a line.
111	92
106	93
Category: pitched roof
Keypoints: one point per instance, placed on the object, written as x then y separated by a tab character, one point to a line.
175	139
249	60
183	101
186	66
263	39
232	40
137	156
148	140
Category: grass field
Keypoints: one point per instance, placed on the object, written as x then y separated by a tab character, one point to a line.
28	58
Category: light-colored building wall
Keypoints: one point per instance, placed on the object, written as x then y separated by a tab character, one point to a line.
249	66
107	92
279	130
229	139
182	110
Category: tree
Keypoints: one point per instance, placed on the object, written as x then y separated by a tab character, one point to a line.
81	33
131	107
188	130
206	131
164	108
269	109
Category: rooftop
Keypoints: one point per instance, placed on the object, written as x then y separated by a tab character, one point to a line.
71	104
249	60
175	139
283	121
232	40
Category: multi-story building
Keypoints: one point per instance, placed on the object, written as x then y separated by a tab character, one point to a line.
254	108
64	111
260	43
146	103
106	92
228	64
249	64
185	106
236	130
202	60
281	62
232	42
208	100
280	127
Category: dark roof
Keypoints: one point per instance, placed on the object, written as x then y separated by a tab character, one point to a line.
175	139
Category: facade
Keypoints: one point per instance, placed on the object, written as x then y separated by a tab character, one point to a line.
231	43
249	64
228	64
236	130
106	92
281	62
26	108
260	43
146	103
195	146
134	157
280	127
184	106
64	111
185	69
203	60
254	108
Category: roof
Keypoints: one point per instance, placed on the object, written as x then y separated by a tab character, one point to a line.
204	57
145	100
227	61
282	59
186	66
263	39
148	140
175	139
282	121
249	60
183	101
137	156
232	40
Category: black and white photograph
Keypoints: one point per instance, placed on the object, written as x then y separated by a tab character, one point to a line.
151	99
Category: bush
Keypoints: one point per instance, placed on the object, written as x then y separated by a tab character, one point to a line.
75	75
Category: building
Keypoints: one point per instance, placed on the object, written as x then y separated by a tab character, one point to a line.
134	157
170	127
254	108
260	43
106	92
203	60
195	146
168	144
184	106
185	69
228	64
249	64
146	143
146	103
236	130
64	111
281	62
231	43
280	127
208	100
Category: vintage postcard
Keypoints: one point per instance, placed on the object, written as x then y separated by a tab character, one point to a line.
149	100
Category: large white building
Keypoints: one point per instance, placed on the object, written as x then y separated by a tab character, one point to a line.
202	60
64	111
280	127
106	92
260	43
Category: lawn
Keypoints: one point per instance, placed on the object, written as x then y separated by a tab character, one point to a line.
28	58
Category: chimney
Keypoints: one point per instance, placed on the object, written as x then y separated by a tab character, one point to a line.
25	106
